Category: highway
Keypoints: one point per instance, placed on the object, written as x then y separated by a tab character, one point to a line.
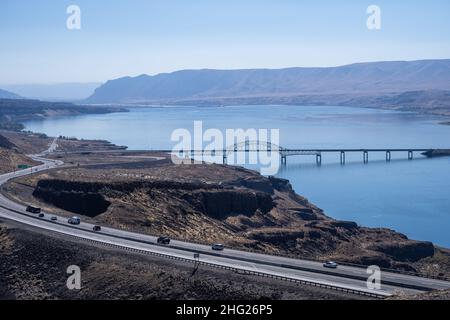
311	272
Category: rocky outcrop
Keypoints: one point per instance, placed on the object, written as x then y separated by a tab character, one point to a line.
216	201
86	203
124	187
279	184
376	259
256	183
306	214
223	203
406	250
349	225
275	237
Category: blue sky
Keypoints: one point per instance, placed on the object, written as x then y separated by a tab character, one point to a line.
131	37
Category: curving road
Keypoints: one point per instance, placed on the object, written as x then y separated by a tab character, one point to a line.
344	277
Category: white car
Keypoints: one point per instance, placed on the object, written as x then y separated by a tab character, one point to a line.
74	220
330	264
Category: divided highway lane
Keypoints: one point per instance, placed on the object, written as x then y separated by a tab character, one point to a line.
345	277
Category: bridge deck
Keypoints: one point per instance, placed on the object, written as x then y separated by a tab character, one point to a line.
302	150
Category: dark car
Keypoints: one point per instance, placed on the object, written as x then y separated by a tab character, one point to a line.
41	215
53	218
97	228
33	209
163	240
217	246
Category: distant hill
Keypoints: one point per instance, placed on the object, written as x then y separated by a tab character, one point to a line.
14	111
55	92
277	84
8	95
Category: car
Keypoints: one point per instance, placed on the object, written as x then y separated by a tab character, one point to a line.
97	228
74	220
330	264
41	215
217	246
53	218
33	209
163	240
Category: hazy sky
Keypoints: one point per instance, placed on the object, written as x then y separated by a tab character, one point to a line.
131	37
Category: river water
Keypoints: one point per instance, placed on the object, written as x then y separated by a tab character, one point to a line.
412	197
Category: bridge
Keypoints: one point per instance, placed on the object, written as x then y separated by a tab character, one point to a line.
265	146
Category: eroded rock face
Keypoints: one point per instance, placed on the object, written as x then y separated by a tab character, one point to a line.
349	225
280	184
222	203
286	239
90	204
255	183
406	250
88	198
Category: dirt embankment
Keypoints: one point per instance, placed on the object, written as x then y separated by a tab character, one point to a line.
33	266
27	142
217	203
11	157
433	295
71	144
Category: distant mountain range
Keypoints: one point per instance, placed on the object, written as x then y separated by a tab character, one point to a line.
8	95
277	85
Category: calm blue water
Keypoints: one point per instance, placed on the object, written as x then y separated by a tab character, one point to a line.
412	197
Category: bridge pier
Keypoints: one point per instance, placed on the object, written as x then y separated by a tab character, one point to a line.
319	159
388	156
283	159
342	157
365	156
410	155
